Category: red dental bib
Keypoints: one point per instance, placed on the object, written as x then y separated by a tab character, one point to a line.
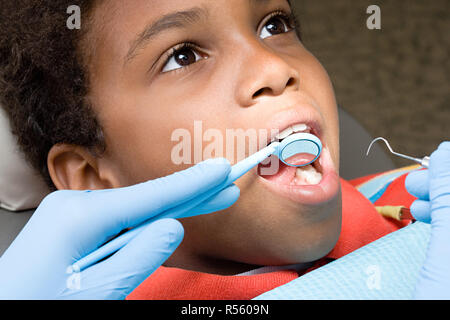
361	224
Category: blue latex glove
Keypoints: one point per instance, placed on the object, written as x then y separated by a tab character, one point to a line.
432	187
68	225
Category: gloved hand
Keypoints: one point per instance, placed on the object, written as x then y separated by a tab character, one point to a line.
432	187
68	225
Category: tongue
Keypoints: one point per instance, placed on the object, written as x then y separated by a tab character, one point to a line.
288	175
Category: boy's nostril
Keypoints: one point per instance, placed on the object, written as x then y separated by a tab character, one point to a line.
291	82
258	93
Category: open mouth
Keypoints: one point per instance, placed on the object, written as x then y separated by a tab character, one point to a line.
310	174
310	184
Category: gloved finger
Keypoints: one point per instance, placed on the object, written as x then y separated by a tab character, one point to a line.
421	210
117	276
417	184
434	281
440	182
219	201
440	162
117	209
224	199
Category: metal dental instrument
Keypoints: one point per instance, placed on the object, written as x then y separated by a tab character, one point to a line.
424	162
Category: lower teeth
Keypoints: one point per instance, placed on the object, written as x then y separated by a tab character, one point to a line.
307	175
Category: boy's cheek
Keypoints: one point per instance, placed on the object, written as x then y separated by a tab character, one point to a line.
321	89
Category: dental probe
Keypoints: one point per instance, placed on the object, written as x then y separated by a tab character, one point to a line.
293	144
424	162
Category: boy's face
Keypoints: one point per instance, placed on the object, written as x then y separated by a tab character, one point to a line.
245	69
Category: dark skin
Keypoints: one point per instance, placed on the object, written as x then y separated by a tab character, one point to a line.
250	74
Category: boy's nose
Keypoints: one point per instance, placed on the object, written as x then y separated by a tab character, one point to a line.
265	74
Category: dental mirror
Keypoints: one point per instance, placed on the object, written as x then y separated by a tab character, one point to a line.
299	149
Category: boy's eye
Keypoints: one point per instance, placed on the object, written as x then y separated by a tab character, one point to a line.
187	54
275	25
181	58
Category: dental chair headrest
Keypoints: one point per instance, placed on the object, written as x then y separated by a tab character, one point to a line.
21	188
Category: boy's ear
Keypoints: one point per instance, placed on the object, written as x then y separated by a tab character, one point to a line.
73	167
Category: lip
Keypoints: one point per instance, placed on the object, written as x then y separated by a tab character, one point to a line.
289	117
326	190
329	186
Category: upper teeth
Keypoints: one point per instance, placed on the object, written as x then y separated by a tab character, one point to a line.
300	127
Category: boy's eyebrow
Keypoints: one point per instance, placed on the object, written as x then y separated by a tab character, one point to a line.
171	21
175	20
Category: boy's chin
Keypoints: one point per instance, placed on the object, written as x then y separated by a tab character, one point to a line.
318	231
294	238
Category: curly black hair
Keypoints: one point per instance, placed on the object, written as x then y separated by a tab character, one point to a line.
43	79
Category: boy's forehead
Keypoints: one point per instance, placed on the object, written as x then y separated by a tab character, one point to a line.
122	27
123	16
155	8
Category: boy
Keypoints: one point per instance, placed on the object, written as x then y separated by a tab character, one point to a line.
95	109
